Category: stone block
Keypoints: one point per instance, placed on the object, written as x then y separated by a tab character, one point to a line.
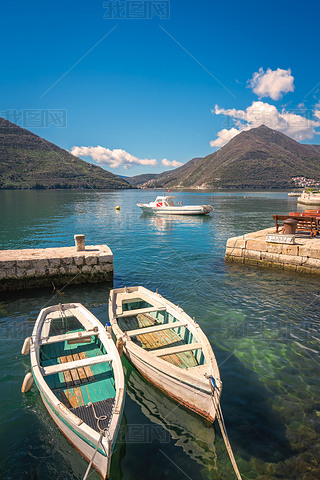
275	247
312	263
259	245
21	272
31	272
86	269
53	271
40	264
309	251
107	267
8	273
97	269
270	257
26	264
79	261
72	269
8	264
291	259
54	262
290	249
252	254
66	260
62	271
91	260
235	252
105	258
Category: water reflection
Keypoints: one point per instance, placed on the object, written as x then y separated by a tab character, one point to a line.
187	430
166	223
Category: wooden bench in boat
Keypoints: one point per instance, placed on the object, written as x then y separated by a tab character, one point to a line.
74	364
177	349
136	295
75	377
130	313
69	337
158	337
156	328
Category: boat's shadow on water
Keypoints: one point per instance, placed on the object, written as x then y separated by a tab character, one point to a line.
255	429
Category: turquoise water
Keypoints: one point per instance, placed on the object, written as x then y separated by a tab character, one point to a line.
263	326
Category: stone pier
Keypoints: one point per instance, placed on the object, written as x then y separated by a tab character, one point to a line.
302	256
48	267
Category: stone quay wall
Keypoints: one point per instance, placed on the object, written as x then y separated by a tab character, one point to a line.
253	249
54	267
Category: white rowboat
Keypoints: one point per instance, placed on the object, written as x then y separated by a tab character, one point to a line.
164	205
77	369
167	347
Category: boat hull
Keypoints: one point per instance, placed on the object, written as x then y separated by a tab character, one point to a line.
196	210
101	462
197	400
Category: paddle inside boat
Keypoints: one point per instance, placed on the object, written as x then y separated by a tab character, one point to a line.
164	205
167	347
77	369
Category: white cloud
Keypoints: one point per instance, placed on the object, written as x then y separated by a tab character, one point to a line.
261	113
114	158
224	136
272	83
173	163
316	112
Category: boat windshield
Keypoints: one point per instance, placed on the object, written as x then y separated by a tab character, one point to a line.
165	201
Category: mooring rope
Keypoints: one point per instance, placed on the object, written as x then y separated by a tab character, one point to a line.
223	429
103	432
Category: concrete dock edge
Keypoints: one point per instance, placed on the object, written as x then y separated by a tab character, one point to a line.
34	268
253	249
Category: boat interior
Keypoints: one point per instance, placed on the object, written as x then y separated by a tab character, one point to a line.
150	326
90	381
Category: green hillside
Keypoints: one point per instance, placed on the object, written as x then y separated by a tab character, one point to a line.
257	158
28	161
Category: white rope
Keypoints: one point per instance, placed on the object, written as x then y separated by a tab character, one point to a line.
224	431
103	432
92	458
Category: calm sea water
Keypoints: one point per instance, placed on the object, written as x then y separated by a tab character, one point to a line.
263	326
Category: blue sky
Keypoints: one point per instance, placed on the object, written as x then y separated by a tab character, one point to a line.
146	89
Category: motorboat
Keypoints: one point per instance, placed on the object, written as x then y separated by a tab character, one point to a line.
165	205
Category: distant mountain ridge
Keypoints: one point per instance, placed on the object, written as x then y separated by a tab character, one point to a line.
256	158
28	161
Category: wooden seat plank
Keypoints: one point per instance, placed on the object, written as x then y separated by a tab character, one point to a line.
177	349
87	369
66	373
155	328
73	371
81	371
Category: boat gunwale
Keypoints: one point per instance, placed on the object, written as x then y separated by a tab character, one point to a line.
70	419
187	374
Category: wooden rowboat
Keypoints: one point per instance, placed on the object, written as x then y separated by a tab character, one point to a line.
77	369
167	347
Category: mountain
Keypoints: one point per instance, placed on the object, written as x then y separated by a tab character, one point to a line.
28	161
161	179
256	158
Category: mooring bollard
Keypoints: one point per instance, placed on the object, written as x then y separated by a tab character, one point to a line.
80	242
